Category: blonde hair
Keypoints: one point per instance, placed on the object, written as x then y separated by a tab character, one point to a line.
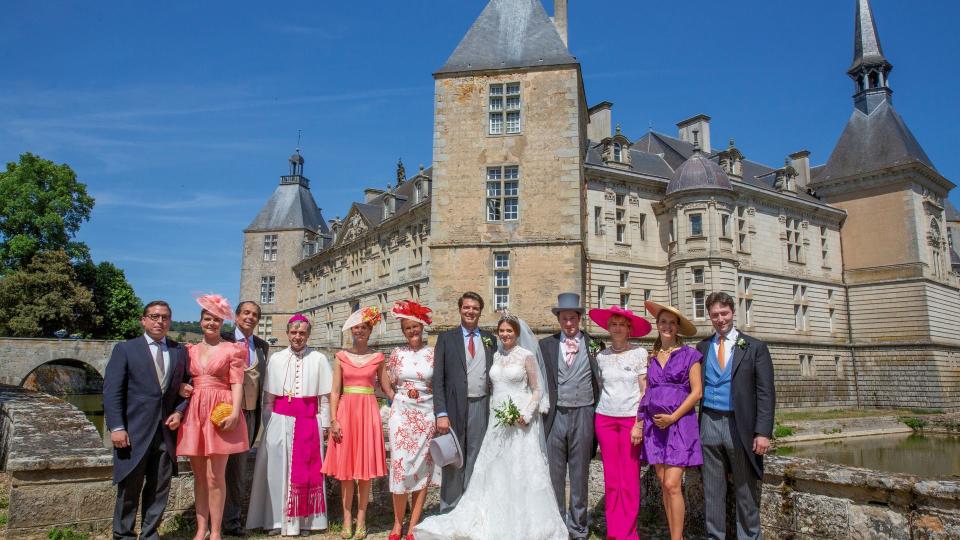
658	343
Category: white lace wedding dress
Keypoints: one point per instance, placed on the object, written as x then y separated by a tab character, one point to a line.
509	495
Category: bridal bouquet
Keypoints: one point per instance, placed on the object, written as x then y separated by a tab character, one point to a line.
507	413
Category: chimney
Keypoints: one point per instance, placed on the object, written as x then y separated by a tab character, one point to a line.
560	19
801	162
696	130
598	127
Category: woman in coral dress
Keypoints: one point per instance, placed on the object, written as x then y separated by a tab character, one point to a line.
216	368
411	422
671	434
355	450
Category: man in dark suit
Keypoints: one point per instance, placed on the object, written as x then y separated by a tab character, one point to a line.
248	316
736	419
461	399
573	387
143	410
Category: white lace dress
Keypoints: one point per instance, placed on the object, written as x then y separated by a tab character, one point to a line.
509	495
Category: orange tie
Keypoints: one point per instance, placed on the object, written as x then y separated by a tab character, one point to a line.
721	356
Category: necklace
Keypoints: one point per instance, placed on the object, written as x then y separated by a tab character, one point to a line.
669	350
618	351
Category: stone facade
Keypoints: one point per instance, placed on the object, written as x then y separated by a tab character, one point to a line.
21	356
533	194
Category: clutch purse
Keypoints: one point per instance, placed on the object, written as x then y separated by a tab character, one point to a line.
220	413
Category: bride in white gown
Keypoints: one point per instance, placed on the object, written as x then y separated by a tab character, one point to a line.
509	495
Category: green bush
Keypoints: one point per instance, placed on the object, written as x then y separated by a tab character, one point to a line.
782	431
916	424
66	533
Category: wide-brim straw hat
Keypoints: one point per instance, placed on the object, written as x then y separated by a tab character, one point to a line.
371	315
217	305
445	450
638	325
686	327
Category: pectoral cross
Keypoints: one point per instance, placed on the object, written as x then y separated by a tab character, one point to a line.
289	394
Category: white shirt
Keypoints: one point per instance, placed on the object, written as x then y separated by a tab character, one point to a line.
729	341
162	344
620	376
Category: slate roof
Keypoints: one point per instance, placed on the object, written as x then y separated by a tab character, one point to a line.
290	207
509	34
641	162
698	172
951	211
866	40
873	142
405	194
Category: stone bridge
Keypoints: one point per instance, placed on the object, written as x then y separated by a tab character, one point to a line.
20	356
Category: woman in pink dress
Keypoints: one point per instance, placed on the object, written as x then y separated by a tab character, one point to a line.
216	368
355	450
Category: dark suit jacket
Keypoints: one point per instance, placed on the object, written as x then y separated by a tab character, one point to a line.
752	393
550	349
262	349
450	377
132	397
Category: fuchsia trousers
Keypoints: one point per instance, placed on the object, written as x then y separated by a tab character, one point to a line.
621	475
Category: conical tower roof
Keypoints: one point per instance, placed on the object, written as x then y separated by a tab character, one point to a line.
291	206
866	40
509	34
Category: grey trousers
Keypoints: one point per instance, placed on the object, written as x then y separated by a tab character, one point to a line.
236	472
721	455
454	481
569	448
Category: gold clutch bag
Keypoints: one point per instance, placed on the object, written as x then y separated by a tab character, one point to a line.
220	413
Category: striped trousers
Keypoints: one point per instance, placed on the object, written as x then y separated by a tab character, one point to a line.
722	454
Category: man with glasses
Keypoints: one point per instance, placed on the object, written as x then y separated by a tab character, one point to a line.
142	411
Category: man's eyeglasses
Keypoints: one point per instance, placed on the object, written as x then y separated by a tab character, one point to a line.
155	317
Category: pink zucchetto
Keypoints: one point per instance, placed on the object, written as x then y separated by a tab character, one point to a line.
298	318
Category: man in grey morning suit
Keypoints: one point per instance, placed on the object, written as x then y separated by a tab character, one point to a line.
573	388
461	398
142	411
736	420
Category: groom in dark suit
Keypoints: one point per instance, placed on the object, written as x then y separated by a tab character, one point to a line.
736	419
461	398
143	410
573	387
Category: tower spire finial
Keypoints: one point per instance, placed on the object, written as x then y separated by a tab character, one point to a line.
870	69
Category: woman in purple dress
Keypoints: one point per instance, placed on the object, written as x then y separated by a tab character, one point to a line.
671	436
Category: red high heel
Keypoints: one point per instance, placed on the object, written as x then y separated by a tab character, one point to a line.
393	537
410	536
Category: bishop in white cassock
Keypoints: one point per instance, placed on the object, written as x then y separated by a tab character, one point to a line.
288	489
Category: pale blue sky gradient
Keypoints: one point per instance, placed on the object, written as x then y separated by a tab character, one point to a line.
179	116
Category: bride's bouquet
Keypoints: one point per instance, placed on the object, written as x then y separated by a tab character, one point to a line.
507	413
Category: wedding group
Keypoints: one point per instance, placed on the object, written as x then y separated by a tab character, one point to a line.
505	423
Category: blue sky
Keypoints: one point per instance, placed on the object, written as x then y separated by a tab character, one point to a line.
179	116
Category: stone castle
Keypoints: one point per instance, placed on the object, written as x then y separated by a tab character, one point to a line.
847	269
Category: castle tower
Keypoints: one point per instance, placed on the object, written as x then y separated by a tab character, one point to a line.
697	211
902	293
509	123
286	229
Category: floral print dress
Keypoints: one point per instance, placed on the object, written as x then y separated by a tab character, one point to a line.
411	422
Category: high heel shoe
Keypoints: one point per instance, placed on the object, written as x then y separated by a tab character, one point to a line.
410	536
346	534
361	533
393	537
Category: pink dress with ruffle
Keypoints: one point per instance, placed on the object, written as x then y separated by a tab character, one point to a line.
211	385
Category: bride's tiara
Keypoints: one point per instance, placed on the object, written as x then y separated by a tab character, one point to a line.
505	315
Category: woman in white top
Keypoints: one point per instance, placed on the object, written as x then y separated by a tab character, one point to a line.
623	369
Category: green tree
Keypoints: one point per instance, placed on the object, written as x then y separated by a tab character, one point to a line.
118	306
44	296
42	208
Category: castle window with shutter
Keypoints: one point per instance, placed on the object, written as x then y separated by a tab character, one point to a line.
504	109
503	193
501	280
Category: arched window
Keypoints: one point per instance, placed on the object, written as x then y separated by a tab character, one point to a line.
617	152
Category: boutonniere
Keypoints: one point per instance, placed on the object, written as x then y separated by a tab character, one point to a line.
594	347
487	341
742	343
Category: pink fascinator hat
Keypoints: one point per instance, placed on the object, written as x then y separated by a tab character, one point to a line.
639	326
217	305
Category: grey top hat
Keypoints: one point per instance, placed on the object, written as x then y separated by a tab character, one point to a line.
445	450
568	301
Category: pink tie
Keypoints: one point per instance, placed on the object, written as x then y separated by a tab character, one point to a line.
572	346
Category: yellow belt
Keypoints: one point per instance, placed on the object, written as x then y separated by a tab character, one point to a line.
357	390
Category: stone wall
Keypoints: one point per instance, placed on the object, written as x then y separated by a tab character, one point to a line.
20	356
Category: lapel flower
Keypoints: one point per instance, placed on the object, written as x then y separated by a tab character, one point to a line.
487	342
594	346
742	343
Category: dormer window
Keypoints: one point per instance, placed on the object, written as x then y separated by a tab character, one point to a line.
615	151
418	192
618	152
